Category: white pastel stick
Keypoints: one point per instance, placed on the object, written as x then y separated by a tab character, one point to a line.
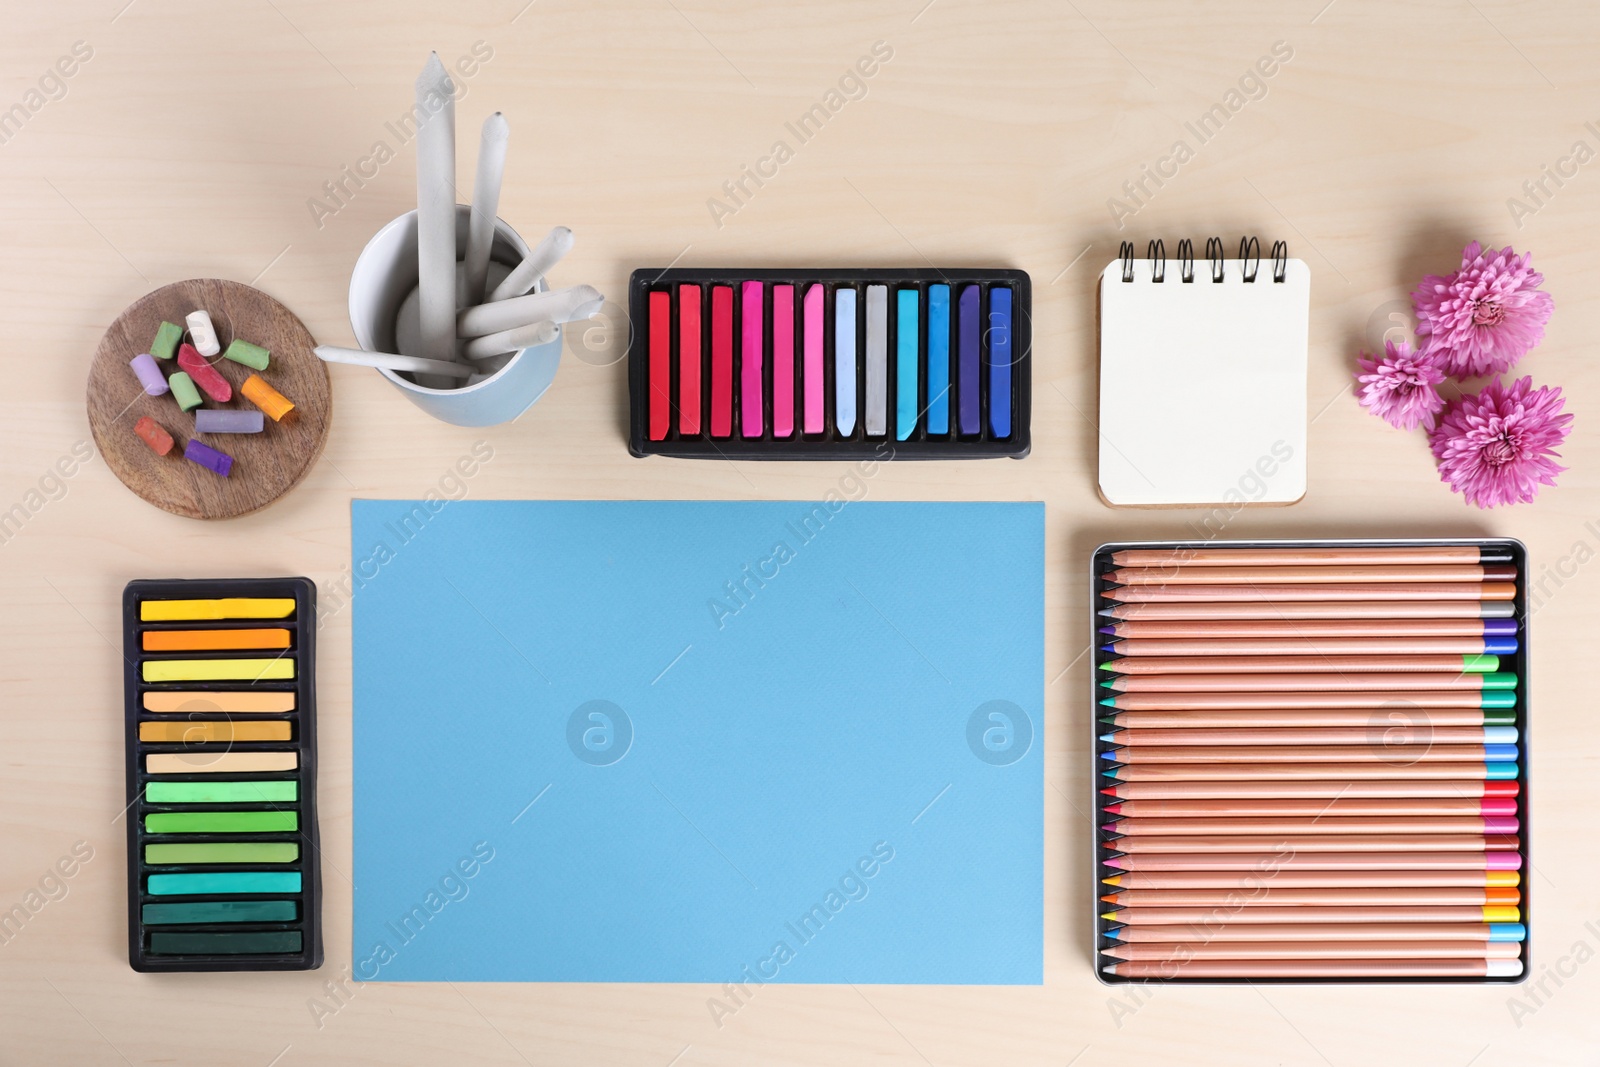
436	212
527	273
554	305
202	334
393	361
494	344
485	204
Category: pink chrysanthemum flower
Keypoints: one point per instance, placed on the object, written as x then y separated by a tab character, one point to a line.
1401	387
1484	317
1498	446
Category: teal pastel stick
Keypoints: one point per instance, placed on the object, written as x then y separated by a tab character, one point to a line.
163	885
906	349
938	359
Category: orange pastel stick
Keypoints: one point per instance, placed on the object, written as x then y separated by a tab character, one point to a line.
208	640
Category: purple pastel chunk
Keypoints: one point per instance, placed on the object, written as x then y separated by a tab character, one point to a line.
149	372
219	420
208	457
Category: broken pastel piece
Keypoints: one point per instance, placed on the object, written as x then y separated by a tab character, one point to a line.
202	334
208	457
217	420
184	392
204	374
168	334
258	392
149	372
252	356
151	433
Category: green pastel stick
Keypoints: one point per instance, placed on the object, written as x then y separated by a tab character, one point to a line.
222	822
165	346
224	852
225	943
250	355
184	391
217	670
165	885
222	911
222	792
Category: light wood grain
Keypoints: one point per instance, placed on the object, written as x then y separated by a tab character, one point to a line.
191	142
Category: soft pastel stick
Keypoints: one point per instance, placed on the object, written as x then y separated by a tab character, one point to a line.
262	703
221	911
938	359
165	885
225	608
184	391
217	420
258	392
660	356
204	374
153	434
263	792
968	333
1000	361
906	353
783	361
222	822
752	353
877	409
199	762
203	454
721	361
211	640
187	731
224	943
165	346
149	374
844	361
217	670
224	852
813	422
689	357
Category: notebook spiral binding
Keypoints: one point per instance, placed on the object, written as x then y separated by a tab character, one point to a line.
1249	255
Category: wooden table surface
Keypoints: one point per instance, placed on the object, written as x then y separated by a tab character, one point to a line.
199	140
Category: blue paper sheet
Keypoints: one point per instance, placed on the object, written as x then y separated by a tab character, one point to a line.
698	742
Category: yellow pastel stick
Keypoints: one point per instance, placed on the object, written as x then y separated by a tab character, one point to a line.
217	670
233	607
219	762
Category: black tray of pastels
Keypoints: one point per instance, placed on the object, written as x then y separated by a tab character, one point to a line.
985	421
194	905
1391	726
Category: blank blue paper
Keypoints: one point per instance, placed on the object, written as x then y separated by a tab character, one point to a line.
698	742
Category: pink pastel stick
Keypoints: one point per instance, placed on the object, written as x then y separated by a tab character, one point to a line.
783	361
813	364
750	360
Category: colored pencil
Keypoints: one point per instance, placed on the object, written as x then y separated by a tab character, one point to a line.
1244	916
1339	807
1268	865
1204	611
1379	969
1300	844
1302	664
1304	629
1301	683
1292	555
1413	786
1334	897
1255	881
1402	591
1147	825
1266	772
1312	950
1388	700
1367	930
1375	734
1327	574
1398	756
1308	717
1380	645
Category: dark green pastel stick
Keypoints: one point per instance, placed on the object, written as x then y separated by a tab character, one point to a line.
225	943
222	911
222	792
221	822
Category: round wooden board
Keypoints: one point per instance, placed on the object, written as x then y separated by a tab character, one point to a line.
265	465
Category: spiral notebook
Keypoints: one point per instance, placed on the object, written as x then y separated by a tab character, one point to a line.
1203	377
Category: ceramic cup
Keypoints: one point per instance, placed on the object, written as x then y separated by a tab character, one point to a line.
386	273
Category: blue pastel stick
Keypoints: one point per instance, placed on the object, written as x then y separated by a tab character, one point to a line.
844	361
938	359
1499	646
1000	361
1507	932
905	370
969	331
1498	753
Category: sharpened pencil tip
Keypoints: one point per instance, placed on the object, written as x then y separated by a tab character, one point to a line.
1108	755
1110	792
1108	737
1110	613
1109	665
1115	879
1108	702
1115	935
1107	684
1112	773
1110	828
1107	914
1112	648
1109	898
1112	809
1112	630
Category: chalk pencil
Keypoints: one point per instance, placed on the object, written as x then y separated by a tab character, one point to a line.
1380	969
1151	904
1313	575
1244	841
1362	555
1135	826
1236	770
1377	734
1268	864
1386	913
1279	611
1307	788
1137	631
1181	954
1306	930
1255	880
1339	807
1386	700
1308	682
1400	718
1385	645
1303	664
1354	591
